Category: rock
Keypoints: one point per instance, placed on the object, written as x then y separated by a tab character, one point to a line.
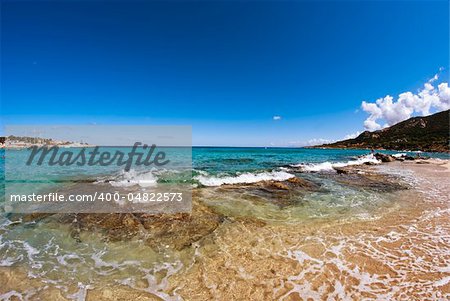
384	157
119	292
276	185
250	220
282	193
131	222
340	170
271	185
428	133
299	182
27	217
368	180
115	226
179	231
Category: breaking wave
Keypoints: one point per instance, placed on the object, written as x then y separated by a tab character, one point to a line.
329	166
244	178
132	178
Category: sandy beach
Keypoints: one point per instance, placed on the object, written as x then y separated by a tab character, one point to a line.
400	254
403	255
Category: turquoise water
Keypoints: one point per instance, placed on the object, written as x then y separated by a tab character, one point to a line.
46	250
232	159
206	161
210	167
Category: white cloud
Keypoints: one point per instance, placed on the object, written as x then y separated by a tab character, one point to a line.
353	135
427	100
318	141
434	78
276	117
310	142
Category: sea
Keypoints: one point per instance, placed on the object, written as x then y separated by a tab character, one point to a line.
40	259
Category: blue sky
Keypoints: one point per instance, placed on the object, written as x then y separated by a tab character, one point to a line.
226	68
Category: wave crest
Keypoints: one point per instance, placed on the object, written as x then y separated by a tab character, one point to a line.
329	166
131	178
244	178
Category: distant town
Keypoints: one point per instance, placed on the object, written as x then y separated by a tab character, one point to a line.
25	142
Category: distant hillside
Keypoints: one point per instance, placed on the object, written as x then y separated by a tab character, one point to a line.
429	133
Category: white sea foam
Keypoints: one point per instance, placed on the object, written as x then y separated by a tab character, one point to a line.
244	178
329	166
81	294
11	295
399	155
131	178
63	259
9	261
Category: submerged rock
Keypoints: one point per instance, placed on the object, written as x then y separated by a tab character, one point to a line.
19	218
341	170
364	178
115	226
177	230
181	230
293	183
282	193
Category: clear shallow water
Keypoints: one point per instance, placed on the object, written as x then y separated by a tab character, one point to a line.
229	159
206	161
210	167
47	252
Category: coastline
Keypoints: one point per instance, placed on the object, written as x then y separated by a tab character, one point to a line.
393	254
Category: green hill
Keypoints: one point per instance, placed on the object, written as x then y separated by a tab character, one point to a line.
429	133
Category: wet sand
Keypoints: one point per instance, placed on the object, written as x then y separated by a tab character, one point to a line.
402	254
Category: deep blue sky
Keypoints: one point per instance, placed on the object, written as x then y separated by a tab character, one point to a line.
226	68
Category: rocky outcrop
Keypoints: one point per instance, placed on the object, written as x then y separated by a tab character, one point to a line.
429	133
281	193
384	157
366	179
